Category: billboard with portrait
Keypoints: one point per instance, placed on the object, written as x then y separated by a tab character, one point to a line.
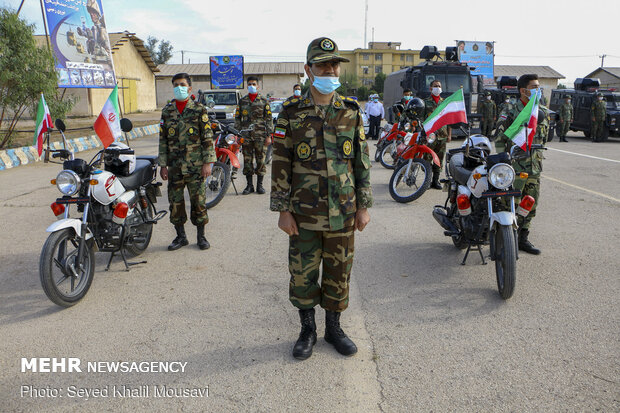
226	72
80	43
479	55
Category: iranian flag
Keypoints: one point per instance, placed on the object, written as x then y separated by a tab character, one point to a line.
44	123
523	129
107	125
451	111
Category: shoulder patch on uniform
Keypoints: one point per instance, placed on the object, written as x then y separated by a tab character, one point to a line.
205	118
282	122
362	134
267	106
279	132
352	102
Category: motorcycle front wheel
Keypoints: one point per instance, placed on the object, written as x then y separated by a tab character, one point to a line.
64	278
386	158
217	184
407	186
505	260
378	152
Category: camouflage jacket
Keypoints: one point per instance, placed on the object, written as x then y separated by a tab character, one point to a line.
533	164
185	139
429	107
566	112
321	167
257	113
598	110
489	110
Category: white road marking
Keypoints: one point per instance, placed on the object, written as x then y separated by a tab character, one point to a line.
611	198
587	156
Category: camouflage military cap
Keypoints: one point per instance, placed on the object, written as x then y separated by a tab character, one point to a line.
599	94
323	49
487	93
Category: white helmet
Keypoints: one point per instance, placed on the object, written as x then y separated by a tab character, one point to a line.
478	141
124	164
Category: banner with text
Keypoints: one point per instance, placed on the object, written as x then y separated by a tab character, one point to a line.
226	72
478	55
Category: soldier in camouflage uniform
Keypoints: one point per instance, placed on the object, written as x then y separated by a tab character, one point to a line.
186	155
531	165
598	111
566	118
442	136
320	184
503	106
489	115
254	110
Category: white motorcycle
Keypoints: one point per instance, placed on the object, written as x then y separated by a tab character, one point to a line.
117	208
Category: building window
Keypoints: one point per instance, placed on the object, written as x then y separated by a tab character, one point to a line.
410	58
367	82
365	70
365	56
378	56
402	57
378	69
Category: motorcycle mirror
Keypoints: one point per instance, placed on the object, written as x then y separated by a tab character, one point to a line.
126	125
60	125
210	104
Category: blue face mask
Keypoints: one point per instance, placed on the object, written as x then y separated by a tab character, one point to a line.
408	98
325	84
252	89
181	93
297	92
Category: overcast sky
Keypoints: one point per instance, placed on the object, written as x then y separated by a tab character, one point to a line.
567	35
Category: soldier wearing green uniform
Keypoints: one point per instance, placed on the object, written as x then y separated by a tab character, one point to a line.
489	115
320	184
503	106
442	136
254	110
527	85
566	118
186	155
598	111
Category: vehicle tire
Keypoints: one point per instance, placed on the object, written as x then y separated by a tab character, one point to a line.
505	260
59	251
378	153
586	134
269	154
385	158
405	188
217	184
144	230
551	132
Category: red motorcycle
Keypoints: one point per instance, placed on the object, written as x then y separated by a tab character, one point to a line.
388	143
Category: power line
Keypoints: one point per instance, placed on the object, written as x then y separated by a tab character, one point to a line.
248	55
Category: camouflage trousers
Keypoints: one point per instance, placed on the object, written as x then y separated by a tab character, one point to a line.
306	251
531	188
176	196
597	130
254	150
439	147
487	128
563	129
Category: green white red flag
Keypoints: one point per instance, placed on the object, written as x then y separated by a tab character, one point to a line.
108	126
523	129
450	111
44	124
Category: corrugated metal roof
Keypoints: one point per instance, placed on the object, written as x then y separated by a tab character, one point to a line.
250	68
614	71
541	71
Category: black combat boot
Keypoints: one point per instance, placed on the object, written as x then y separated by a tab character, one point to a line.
563	138
525	244
180	240
250	187
307	337
203	244
336	337
435	183
259	184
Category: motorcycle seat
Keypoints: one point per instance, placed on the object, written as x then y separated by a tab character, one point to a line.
458	170
151	158
142	175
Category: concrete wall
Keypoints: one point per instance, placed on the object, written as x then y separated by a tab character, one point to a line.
607	80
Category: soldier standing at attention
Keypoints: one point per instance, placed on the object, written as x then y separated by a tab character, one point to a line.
489	115
320	185
253	109
186	155
566	118
527	85
442	136
598	111
503	105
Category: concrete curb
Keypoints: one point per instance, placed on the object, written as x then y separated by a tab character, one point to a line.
12	158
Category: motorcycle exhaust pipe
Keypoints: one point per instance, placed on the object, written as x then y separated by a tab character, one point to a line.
442	219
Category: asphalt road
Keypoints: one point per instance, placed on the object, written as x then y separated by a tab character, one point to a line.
432	335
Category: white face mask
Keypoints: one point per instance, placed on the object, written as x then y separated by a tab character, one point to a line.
600	98
436	91
488	97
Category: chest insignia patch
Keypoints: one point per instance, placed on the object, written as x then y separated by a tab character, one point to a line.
347	147
304	151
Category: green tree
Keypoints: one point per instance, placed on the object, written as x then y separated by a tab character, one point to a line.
362	93
379	82
160	54
348	84
26	71
305	86
561	86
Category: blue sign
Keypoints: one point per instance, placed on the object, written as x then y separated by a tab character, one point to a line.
81	44
478	55
226	72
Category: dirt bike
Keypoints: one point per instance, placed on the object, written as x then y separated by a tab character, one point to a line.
117	207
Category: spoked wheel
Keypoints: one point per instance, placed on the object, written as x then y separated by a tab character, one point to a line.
65	278
505	260
387	156
378	153
217	184
410	180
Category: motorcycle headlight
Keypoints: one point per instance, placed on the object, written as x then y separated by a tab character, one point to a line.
431	138
407	126
230	139
68	182
501	176
230	115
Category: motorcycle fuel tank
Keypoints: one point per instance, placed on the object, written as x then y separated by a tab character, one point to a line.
108	188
